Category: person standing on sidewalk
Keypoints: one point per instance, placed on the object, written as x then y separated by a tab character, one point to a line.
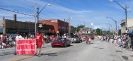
39	42
128	42
132	43
18	37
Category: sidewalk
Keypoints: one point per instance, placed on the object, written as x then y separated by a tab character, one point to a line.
126	54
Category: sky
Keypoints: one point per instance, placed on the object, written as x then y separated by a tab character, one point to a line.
80	12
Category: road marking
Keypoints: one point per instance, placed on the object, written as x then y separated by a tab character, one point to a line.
26	57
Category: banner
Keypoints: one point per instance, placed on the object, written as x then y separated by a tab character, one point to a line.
26	46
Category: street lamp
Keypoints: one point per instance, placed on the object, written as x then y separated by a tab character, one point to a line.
38	12
114	21
69	23
109	25
125	8
64	26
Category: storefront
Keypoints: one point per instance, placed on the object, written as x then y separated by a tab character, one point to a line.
24	32
1	30
11	30
130	32
32	32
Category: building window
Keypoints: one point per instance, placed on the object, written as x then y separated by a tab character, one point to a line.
62	27
59	27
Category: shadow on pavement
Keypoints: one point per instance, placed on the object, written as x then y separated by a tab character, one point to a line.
125	57
62	46
49	54
91	43
111	55
118	51
6	53
44	47
98	47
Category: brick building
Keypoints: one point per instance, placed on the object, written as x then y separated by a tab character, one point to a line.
59	27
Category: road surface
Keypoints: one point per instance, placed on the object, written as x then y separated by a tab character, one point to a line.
96	51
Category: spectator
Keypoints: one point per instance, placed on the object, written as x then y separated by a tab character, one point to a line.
1	46
128	42
120	42
132	42
18	37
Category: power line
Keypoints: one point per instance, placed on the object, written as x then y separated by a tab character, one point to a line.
40	5
53	5
16	12
27	9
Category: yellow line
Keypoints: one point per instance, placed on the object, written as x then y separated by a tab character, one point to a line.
26	57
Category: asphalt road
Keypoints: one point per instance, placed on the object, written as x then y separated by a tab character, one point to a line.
96	51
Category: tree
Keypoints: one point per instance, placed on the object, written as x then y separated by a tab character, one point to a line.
98	31
78	28
119	32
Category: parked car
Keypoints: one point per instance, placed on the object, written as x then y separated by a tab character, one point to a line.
61	42
75	38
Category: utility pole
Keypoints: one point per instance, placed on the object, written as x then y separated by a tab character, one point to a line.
125	8
69	23
38	12
64	26
126	17
115	23
35	15
108	27
84	24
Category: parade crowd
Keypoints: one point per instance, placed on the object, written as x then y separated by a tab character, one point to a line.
125	41
8	41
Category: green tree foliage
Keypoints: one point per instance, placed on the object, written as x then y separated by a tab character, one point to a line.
78	28
119	32
98	31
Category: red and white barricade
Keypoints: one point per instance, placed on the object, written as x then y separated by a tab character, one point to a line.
26	46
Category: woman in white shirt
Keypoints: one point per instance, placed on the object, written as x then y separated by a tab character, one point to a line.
18	37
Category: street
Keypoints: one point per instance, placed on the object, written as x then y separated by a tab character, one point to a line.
96	51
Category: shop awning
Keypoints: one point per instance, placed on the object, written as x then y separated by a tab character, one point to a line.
130	32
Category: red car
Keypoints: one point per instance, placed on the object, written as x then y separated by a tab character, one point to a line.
61	42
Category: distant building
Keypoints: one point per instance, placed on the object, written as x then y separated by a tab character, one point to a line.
129	25
8	26
59	27
86	30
